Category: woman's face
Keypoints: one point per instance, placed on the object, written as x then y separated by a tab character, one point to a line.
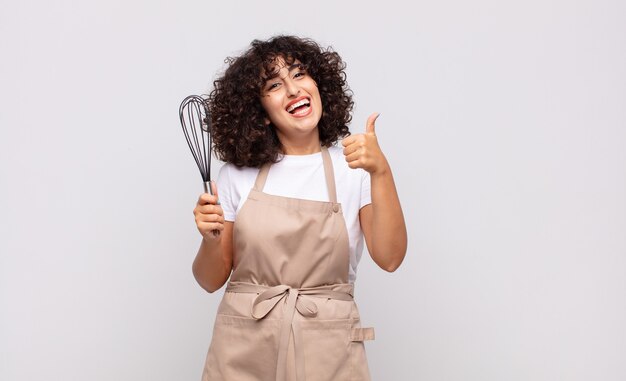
292	101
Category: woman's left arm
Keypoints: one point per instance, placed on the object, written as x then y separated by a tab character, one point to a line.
382	221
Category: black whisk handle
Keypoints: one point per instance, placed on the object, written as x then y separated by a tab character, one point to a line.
209	189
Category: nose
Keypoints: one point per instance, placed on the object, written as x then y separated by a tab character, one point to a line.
291	87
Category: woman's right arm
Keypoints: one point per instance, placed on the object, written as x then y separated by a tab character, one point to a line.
214	261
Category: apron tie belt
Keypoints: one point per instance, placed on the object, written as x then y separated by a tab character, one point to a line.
269	297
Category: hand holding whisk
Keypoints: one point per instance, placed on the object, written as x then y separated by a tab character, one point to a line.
196	123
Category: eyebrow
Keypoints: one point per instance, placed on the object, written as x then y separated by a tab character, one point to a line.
295	66
289	69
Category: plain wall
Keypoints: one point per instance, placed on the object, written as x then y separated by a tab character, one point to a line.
504	122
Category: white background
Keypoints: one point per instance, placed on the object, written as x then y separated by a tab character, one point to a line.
505	124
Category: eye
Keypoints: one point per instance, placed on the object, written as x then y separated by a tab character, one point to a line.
272	86
301	72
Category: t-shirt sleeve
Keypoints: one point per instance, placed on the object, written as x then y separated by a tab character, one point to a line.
366	189
226	194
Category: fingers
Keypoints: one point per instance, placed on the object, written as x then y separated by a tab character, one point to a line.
206	198
349	140
359	158
355	150
352	148
209	214
362	150
209	209
209	217
207	229
353	156
207	205
370	125
204	218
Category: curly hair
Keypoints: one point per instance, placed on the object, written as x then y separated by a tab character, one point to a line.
238	121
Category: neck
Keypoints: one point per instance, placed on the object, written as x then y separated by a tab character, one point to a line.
303	146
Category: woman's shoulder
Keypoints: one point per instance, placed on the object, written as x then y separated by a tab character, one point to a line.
231	173
232	169
233	184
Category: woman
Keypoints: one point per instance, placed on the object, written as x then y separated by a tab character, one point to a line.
293	209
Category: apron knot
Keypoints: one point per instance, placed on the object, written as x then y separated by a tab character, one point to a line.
269	297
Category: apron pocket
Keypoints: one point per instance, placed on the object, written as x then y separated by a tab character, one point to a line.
242	349
327	349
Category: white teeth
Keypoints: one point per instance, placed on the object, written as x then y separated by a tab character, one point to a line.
297	104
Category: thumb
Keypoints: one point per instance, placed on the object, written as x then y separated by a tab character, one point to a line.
369	126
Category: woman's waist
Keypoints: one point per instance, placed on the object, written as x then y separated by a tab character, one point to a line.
257	301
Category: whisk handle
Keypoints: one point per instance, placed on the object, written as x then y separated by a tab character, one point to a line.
209	189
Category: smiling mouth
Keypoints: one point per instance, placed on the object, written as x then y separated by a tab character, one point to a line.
299	107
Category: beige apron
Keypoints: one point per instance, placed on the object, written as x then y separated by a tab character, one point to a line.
288	312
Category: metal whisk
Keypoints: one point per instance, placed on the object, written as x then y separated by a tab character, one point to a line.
196	122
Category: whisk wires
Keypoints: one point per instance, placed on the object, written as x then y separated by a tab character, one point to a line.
196	123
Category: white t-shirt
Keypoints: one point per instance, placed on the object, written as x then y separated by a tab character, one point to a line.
302	176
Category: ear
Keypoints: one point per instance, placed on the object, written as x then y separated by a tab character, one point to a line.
267	121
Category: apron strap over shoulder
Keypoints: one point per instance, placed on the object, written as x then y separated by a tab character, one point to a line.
261	177
330	175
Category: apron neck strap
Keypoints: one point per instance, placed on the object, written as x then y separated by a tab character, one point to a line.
259	183
328	172
330	175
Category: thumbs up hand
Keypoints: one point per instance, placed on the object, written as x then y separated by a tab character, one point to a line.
362	150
